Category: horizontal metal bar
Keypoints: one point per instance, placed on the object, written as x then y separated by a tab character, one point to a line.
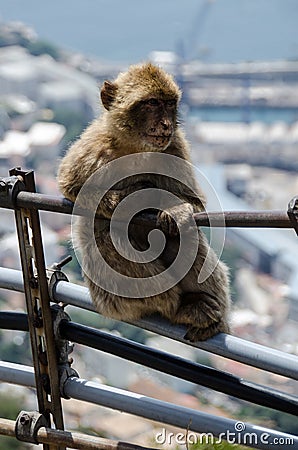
17	374
157	410
7	427
180	367
231	347
165	362
222	344
41	202
11	320
74	440
243	219
165	412
11	279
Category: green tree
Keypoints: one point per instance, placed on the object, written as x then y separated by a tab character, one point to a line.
13	352
259	414
73	121
9	409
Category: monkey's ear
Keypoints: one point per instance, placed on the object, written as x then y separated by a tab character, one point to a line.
108	94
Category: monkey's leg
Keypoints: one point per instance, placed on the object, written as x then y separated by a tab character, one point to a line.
105	289
204	306
129	309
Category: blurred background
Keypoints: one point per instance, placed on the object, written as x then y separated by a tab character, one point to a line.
237	64
216	30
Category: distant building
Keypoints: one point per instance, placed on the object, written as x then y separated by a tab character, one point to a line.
234	133
58	95
45	140
10	255
41	78
21	112
19	77
42	142
14	149
267	250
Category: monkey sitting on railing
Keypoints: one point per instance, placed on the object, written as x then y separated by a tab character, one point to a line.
140	126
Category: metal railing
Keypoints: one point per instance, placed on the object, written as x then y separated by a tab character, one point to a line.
51	329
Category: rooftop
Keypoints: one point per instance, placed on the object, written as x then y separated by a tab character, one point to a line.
40	134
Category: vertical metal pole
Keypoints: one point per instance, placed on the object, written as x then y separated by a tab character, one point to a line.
39	312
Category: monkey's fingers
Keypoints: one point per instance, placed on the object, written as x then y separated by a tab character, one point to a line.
201	305
173	224
193	315
195	334
167	224
214	314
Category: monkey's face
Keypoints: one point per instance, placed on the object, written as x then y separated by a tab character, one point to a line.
154	120
142	107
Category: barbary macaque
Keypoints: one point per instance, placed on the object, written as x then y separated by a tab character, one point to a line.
140	118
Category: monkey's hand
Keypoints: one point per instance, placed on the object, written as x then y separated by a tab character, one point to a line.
113	197
176	219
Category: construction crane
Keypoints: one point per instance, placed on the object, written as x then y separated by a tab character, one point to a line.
187	49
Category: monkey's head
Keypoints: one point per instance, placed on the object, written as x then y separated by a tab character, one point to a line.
142	106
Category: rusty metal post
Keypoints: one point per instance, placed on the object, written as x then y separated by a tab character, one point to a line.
38	307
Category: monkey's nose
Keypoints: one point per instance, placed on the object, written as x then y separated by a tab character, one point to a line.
166	124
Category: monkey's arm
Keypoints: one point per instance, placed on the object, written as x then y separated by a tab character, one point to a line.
198	203
94	197
110	201
77	166
74	171
90	152
113	197
190	191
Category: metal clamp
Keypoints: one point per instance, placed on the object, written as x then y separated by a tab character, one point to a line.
27	425
55	274
9	188
293	213
63	348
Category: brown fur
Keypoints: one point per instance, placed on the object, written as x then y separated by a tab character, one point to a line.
140	116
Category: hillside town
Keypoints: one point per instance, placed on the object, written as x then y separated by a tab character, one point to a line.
45	103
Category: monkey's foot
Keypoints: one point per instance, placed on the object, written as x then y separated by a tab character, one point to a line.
199	309
195	334
203	313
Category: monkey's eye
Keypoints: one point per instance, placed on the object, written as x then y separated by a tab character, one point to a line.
171	103
152	102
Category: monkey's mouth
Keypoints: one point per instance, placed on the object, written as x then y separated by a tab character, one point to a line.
158	140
